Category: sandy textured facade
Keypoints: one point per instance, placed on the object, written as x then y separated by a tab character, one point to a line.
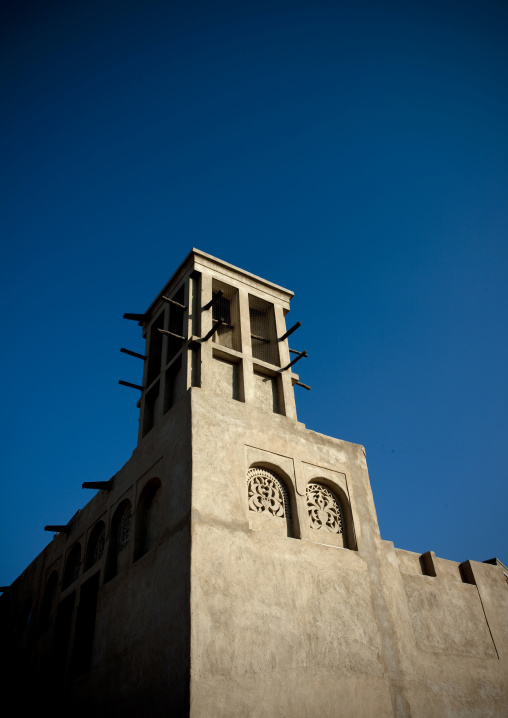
234	566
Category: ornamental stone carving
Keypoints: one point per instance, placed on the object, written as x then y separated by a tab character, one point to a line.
324	509
71	572
98	549
124	529
267	493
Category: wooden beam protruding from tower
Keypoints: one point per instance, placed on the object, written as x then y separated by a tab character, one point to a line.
101	485
132	354
136	317
214	299
212	331
300	356
58	528
173	301
171	334
133	386
260	339
290	331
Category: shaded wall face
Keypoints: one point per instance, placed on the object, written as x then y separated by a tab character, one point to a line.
143	632
109	632
143	622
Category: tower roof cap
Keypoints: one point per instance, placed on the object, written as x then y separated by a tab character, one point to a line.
197	257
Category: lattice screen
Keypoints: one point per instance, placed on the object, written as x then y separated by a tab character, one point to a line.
176	317
226	308
262	328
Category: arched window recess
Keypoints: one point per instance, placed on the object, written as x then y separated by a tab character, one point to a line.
329	515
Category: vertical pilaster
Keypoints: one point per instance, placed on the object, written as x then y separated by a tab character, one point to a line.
159	410
286	385
206	326
141	402
187	332
301	501
194	328
247	373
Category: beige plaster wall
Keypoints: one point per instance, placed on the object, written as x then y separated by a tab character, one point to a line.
449	635
226	617
279	626
282	626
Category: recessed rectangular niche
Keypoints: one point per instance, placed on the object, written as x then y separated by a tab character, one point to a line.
226	377
174	380
266	392
150	408
263	332
176	325
155	349
225	307
195	302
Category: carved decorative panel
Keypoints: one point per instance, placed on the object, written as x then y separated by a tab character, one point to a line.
99	547
124	529
324	509
267	493
72	566
96	545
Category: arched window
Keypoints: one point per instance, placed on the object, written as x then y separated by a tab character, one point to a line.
148	518
268	500
96	543
326	516
118	557
123	529
71	572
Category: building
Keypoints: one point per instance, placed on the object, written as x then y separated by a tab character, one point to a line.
234	566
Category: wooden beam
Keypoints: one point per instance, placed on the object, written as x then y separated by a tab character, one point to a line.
172	301
136	317
132	354
290	331
58	528
133	386
101	485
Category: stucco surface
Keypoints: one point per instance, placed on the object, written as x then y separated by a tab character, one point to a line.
272	613
268	610
448	617
226	588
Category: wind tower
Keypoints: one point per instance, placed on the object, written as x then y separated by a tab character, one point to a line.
219	328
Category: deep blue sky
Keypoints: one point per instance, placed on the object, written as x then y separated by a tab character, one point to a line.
355	153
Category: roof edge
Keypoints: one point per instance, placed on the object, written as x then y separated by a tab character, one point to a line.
198	253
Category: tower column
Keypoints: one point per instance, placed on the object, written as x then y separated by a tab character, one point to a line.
248	370
286	385
206	326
